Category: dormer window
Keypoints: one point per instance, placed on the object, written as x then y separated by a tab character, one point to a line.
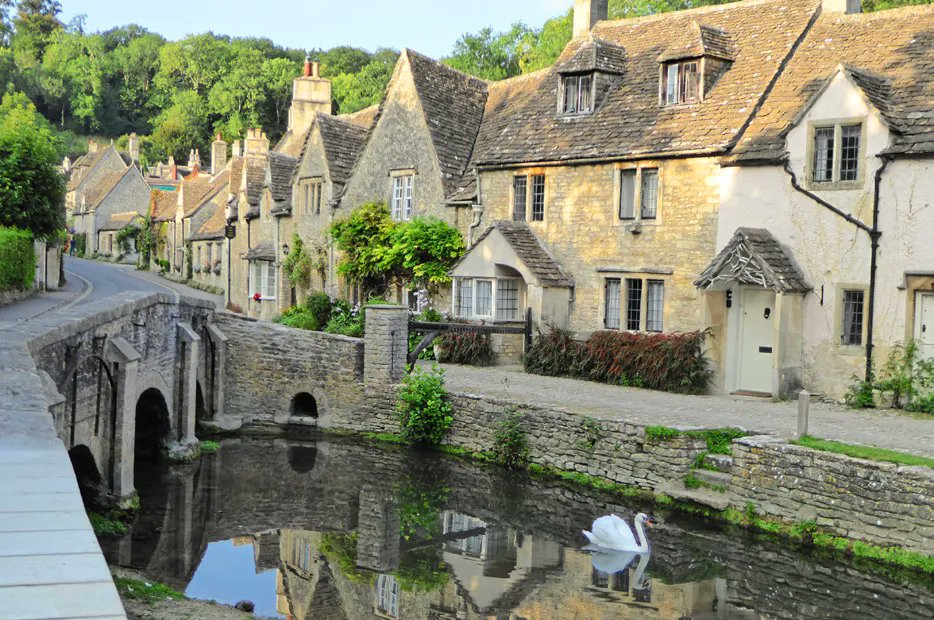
682	82
578	94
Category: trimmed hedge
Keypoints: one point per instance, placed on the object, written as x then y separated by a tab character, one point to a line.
666	362
17	259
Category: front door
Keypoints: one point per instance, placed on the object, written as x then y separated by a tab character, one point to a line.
924	325
755	359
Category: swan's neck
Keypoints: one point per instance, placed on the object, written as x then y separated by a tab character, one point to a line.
643	543
639	578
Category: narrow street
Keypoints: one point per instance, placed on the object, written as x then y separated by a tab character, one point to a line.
89	281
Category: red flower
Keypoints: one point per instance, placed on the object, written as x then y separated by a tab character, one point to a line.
257	297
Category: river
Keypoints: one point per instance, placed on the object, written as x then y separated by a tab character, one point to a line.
336	529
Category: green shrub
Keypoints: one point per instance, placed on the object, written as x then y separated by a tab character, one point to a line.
346	320
422	408
319	305
298	317
510	446
860	395
17	259
924	404
81	243
467	348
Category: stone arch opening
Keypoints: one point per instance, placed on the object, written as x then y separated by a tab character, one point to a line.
90	482
302	458
201	411
304	405
152	426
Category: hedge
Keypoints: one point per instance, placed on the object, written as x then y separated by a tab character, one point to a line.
666	362
17	259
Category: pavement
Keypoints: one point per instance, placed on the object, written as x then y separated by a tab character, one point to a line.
879	428
90	281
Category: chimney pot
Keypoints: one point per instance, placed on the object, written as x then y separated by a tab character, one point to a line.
306	70
316	69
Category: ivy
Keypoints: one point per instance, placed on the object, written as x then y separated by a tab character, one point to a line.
298	264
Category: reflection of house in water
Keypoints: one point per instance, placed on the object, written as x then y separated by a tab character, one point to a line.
305	586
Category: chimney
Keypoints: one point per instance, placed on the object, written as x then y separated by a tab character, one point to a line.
841	6
173	169
587	13
133	147
235	150
256	143
92	147
218	155
311	94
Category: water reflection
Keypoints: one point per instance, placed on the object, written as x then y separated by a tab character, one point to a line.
337	530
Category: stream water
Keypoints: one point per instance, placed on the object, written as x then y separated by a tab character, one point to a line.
334	529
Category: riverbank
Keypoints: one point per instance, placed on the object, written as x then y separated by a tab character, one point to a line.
144	599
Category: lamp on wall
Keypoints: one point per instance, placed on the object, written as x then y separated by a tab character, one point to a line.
729	299
285	249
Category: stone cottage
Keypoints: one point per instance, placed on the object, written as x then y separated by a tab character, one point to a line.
109	203
88	171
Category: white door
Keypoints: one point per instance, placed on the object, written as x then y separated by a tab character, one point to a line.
924	325
755	358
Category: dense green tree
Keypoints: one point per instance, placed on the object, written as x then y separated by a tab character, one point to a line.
489	55
72	77
355	91
35	22
132	69
32	190
180	128
278	75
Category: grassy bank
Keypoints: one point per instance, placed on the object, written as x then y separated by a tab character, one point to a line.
864	452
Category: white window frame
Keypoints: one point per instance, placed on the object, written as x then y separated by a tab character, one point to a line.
638	214
673	80
494	306
574	82
836	182
387	596
401	197
260	272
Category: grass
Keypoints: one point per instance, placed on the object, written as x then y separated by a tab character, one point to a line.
146	591
864	452
107	526
719	440
209	447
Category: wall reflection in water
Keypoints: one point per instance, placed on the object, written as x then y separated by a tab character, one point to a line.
351	532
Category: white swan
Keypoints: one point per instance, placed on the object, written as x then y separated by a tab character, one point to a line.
614	534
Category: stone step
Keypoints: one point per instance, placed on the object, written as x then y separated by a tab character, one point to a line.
722	462
702	496
713	477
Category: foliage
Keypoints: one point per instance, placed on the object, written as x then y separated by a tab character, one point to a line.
422	407
657	434
378	252
422	570
667	362
32	190
319	305
209	447
298	263
419	510
864	452
592	431
299	317
81	243
17	259
145	591
922	404
469	348
510	445
125	236
346	320
905	375
489	55
429	315
860	395
106	525
718	440
342	550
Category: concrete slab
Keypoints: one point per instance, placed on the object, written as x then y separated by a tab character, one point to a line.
39	502
36	470
53	569
33	452
11	486
43	521
47	543
54	602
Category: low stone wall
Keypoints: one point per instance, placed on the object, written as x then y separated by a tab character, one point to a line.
879	502
9	297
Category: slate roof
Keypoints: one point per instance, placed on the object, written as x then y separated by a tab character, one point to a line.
163	205
279	174
521	124
753	256
119	221
255	181
592	54
263	251
453	104
343	142
530	251
291	143
888	54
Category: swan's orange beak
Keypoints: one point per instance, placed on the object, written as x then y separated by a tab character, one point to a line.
650	521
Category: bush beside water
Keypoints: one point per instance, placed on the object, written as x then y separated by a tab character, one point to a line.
423	410
666	362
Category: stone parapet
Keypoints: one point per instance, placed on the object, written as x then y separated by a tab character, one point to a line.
387	342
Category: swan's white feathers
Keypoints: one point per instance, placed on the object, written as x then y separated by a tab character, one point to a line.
611	532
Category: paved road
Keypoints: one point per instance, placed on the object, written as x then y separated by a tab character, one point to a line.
885	429
90	281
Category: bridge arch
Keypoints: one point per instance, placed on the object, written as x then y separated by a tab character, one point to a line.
304	405
153	426
90	482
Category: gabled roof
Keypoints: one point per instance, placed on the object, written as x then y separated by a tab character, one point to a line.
217	186
343	142
163	205
119	221
255	180
521	124
291	143
84	164
453	106
279	174
592	54
887	54
94	195
755	257
703	41
530	251
214	227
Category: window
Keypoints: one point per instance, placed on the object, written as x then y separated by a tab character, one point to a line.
852	332
519	196
464	303
633	304
306	198
402	197
613	288
507	300
646	180
578	94
483	298
682	82
263	279
387	596
538	198
835	153
655	306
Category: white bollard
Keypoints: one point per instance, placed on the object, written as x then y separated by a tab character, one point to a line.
804	405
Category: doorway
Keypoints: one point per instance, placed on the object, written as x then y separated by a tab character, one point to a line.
756	352
924	325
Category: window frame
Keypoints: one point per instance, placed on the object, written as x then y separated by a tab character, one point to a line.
840	331
530	182
575	79
457	298
623	320
403	181
836	180
679	91
264	286
638	211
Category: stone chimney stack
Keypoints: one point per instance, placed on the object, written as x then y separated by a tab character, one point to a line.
173	168
133	147
256	143
92	147
311	94
235	149
587	13
841	6
218	155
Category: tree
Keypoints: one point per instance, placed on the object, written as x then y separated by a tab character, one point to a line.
132	69
364	237
353	92
278	75
180	128
72	77
32	190
489	55
35	22
240	94
6	28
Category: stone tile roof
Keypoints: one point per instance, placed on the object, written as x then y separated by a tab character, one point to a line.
592	54
263	251
201	190
163	205
363	118
255	180
119	221
708	41
213	227
466	191
755	257
83	165
291	143
453	104
530	251
521	123
279	175
888	54
343	143
95	194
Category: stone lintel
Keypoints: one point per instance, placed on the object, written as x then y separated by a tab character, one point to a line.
216	334
121	351
186	333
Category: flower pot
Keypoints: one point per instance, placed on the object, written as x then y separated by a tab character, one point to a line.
439	352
